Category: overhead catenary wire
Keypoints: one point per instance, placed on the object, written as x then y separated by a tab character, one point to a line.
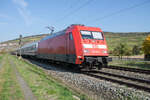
72	5
72	11
75	10
120	11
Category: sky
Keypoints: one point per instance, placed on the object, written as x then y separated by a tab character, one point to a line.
31	17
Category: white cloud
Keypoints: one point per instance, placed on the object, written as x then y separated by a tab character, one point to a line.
23	11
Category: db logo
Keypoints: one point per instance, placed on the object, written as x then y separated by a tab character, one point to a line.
95	51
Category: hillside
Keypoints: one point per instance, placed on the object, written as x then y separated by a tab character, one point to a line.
14	44
131	39
113	39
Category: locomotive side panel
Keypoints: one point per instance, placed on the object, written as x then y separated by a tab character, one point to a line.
58	45
59	48
52	48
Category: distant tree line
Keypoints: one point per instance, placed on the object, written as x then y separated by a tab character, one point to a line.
128	33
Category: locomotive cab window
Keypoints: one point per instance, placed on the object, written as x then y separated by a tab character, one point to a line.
86	35
91	35
70	36
97	35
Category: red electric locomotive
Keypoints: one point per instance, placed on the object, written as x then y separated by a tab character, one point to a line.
78	44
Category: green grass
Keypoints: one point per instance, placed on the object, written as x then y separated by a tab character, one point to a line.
43	86
1	58
132	64
9	88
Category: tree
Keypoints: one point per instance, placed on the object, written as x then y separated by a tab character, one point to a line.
136	50
146	47
128	52
120	50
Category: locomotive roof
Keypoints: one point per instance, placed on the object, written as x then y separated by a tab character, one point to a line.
54	35
60	32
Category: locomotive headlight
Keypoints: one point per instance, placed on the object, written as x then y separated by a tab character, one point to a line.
102	46
86	51
104	51
87	46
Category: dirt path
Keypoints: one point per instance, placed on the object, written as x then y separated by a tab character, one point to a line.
24	87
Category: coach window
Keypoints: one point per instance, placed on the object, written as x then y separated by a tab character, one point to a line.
70	36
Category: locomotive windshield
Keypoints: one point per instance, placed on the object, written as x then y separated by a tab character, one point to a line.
91	35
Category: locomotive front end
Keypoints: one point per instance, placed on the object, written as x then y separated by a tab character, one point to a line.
94	48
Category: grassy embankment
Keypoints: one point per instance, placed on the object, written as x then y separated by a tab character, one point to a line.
42	85
9	88
131	64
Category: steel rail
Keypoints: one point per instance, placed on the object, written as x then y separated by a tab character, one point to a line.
129	69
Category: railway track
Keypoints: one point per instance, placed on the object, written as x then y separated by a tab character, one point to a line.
137	70
140	84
